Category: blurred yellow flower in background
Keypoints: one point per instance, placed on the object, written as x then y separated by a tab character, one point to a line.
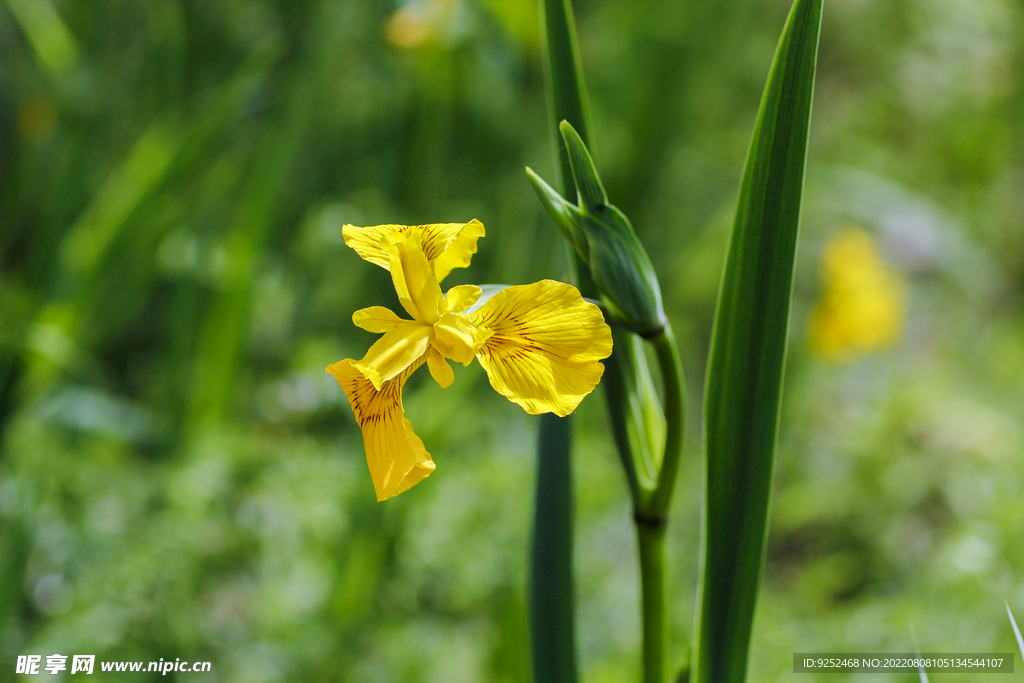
418	21
862	308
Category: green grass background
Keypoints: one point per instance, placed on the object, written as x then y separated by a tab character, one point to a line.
180	478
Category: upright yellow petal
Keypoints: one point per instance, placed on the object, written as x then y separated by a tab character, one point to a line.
377	319
394	352
367	241
461	297
459	250
395	455
446	245
545	346
417	288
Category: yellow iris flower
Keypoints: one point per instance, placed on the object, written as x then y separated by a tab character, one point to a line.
539	344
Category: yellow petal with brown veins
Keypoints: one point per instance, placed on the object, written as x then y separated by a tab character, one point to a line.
446	245
396	456
545	345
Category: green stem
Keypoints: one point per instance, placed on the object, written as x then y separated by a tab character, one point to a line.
675	415
551	584
619	396
553	643
651	540
651	516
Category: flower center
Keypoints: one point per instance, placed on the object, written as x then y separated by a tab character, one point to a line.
458	339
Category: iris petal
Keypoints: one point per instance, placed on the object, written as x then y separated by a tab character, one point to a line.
377	319
394	352
545	346
461	297
439	368
396	456
446	245
459	250
417	288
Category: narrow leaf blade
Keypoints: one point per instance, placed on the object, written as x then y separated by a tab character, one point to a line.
552	623
747	358
1016	631
584	173
566	89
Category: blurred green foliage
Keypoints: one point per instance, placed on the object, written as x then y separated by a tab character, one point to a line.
180	478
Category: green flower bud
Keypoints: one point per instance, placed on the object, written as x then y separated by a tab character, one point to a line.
566	215
606	242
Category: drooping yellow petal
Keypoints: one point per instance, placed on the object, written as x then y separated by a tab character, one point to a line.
377	319
394	352
458	338
395	455
545	347
439	368
461	297
417	288
446	245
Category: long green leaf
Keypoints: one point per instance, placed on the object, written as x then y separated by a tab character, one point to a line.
552	618
748	351
567	91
